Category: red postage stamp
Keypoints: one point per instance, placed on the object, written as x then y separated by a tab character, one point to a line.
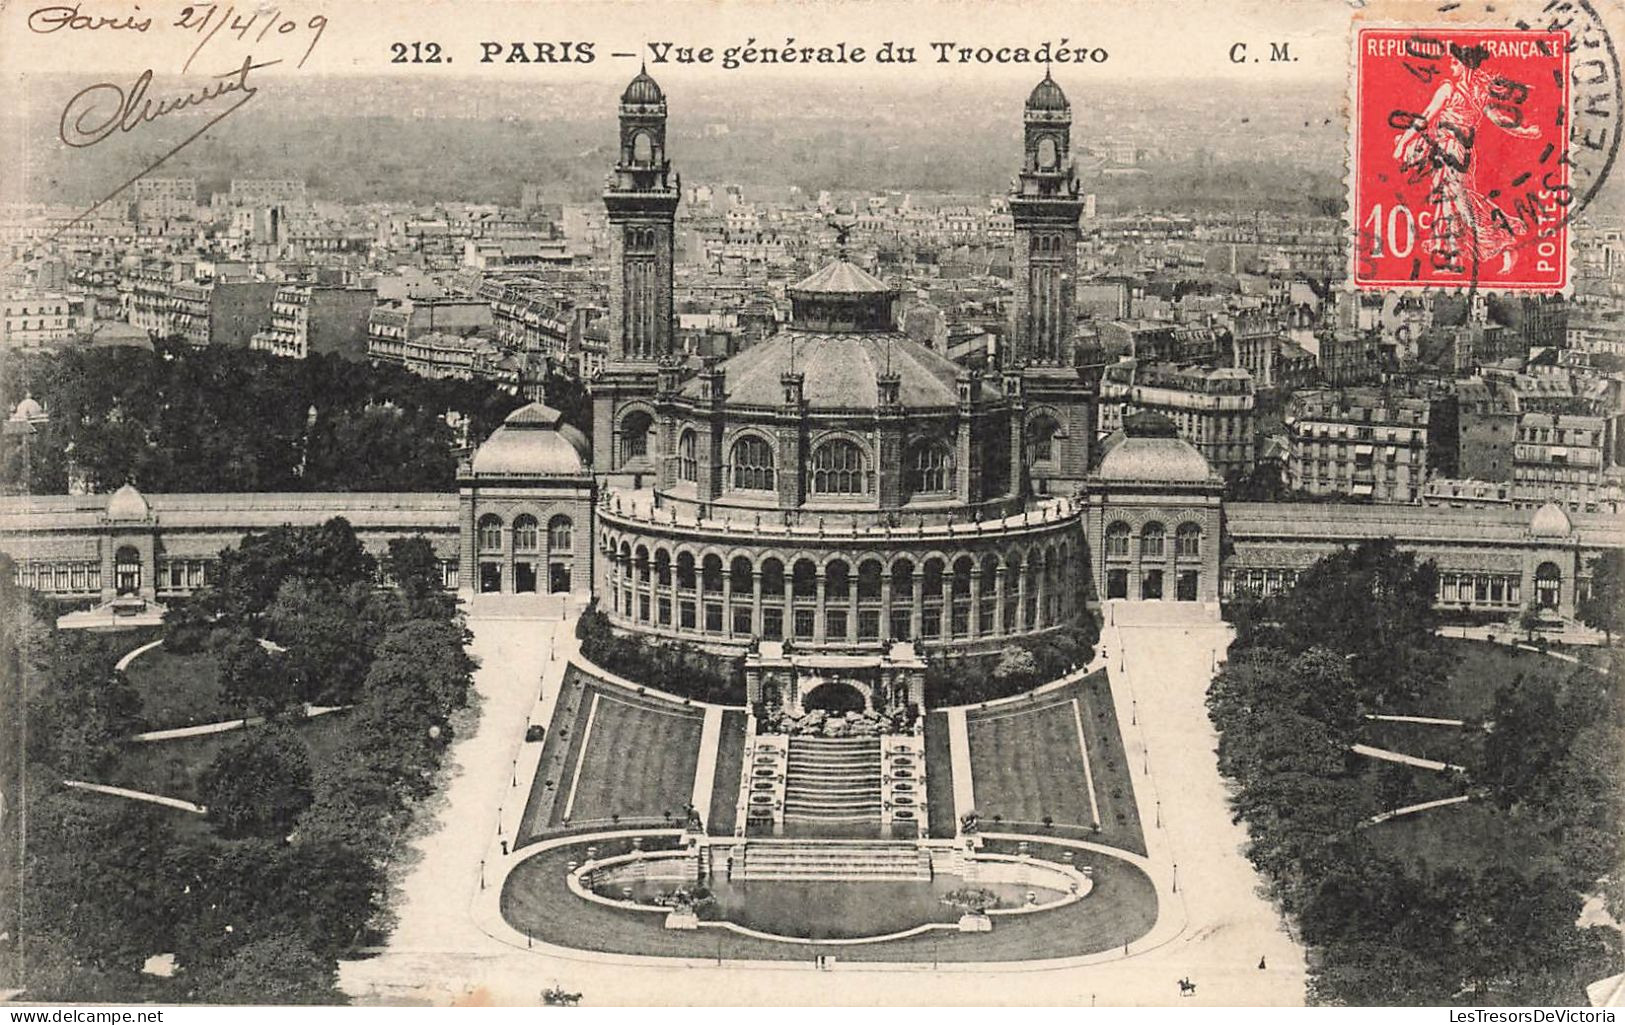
1459	165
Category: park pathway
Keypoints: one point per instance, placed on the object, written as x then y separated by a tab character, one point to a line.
1161	657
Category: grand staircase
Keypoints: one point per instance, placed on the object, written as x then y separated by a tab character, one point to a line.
832	785
872	861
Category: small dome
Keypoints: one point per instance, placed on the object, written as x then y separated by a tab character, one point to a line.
1151	450
1047	96
839	278
643	90
127	505
534	441
28	409
1550	521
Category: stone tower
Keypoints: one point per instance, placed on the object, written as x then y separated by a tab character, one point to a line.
641	197
1055	411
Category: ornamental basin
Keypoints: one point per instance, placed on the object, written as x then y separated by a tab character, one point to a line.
838	909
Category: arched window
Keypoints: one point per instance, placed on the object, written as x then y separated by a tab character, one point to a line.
490	533
1188	540
635	431
753	464
1049	155
1041	439
837	469
525	533
1117	536
1548	585
772	579
558	534
643	148
688	467
1151	541
902	579
804	579
869	573
711	573
926	469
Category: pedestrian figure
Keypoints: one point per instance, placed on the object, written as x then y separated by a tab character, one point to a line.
1260	964
504	848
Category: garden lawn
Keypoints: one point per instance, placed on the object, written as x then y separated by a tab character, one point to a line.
1475	836
639	760
636	756
1480	669
725	785
171	768
942	819
178	690
1027	763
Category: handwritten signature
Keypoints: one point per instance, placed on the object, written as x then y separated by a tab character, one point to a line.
98	111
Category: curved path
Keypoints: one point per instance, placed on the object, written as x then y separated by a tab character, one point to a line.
1404	759
1412	809
136	795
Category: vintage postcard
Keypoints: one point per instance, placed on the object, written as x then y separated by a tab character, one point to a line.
809	503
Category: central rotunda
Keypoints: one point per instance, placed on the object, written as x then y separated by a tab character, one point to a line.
839	489
840	486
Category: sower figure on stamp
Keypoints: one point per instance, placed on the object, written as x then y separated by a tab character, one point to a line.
1467	225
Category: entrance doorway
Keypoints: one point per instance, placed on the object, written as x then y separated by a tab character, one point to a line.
834	696
127	570
1185	585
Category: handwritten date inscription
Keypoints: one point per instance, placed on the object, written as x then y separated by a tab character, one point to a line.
209	21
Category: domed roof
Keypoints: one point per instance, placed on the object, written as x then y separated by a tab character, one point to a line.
28	409
1151	450
643	89
840	371
127	505
1550	521
1047	95
534	441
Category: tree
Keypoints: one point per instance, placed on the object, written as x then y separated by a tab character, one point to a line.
329	642
95	877
424	657
414	568
188	623
278	969
380	448
1530	620
80	708
1604	608
257	786
252	678
252	573
1372	604
1017	668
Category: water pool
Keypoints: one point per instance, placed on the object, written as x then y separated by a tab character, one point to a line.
821	910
